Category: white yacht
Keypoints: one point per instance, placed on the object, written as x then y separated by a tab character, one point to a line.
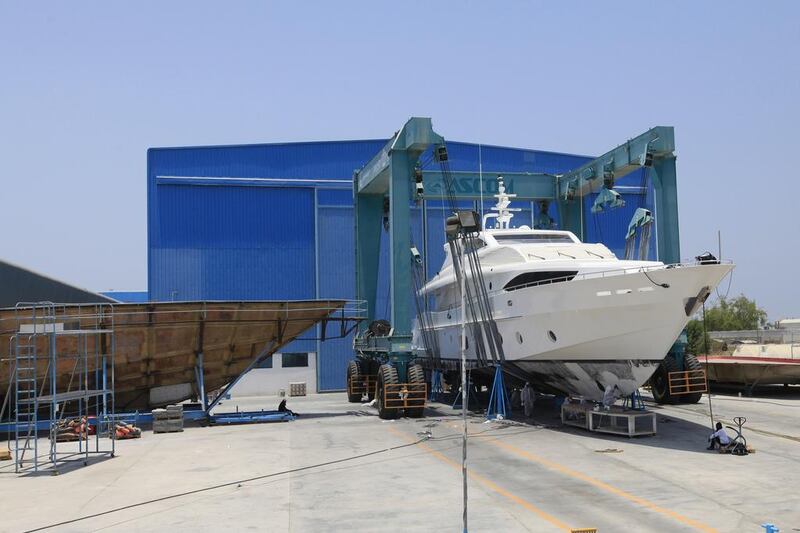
571	315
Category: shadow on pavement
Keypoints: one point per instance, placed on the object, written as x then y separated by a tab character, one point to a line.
672	432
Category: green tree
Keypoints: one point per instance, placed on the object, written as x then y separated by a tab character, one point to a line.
726	315
736	314
694	334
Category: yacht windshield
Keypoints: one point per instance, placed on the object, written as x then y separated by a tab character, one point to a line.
529	238
528	279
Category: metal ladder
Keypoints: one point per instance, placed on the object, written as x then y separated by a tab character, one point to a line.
26	397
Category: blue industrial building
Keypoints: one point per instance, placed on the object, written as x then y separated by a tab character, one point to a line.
275	222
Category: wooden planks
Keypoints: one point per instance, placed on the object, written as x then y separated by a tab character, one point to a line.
156	344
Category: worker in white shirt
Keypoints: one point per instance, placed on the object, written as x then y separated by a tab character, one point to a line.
718	438
528	399
610	395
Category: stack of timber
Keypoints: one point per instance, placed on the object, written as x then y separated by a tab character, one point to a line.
168	420
72	429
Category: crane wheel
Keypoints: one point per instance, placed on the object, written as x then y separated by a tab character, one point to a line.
387	374
355	380
659	383
416	375
691	363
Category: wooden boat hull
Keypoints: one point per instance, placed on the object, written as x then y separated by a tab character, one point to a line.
752	371
159	344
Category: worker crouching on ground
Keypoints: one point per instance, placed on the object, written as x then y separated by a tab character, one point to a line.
283	409
718	438
528	399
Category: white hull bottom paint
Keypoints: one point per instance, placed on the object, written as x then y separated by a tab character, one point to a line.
587	378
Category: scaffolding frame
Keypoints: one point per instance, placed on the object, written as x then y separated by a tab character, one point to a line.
47	336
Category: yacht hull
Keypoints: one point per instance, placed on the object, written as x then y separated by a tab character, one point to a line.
579	336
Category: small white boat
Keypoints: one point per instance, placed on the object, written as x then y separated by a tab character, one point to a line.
571	315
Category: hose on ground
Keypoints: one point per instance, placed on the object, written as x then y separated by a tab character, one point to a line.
228	484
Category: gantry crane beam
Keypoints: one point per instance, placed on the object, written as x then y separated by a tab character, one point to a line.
654	149
476	185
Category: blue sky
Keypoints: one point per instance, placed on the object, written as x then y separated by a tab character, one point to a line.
87	87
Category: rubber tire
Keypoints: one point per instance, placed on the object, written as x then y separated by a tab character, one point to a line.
416	375
659	383
691	363
387	374
354	373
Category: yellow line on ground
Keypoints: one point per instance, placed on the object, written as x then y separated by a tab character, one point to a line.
489	484
602	485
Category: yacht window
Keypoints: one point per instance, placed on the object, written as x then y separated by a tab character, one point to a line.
530	278
538	238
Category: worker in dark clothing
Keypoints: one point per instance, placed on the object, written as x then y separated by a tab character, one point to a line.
283	409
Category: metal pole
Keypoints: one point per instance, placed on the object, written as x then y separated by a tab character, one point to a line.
705	345
480	176
199	371
719	245
104	419
464	383
16	403
113	426
425	240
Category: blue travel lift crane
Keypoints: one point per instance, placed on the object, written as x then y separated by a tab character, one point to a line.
383	191
384	365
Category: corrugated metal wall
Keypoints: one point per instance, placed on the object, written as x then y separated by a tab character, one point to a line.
336	280
289	234
221	243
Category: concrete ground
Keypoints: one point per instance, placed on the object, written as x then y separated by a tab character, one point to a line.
524	476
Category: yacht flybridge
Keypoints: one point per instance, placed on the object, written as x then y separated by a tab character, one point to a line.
570	315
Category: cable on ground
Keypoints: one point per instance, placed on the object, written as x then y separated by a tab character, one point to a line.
228	484
705	345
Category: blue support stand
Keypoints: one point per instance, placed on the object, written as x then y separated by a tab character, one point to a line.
499	403
634	401
436	386
199	377
770	528
470	395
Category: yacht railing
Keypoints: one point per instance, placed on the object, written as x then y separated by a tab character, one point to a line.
610	273
598	275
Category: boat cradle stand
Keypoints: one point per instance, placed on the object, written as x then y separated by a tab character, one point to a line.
246	417
617	420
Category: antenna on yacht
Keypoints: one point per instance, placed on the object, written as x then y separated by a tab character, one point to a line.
502	213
